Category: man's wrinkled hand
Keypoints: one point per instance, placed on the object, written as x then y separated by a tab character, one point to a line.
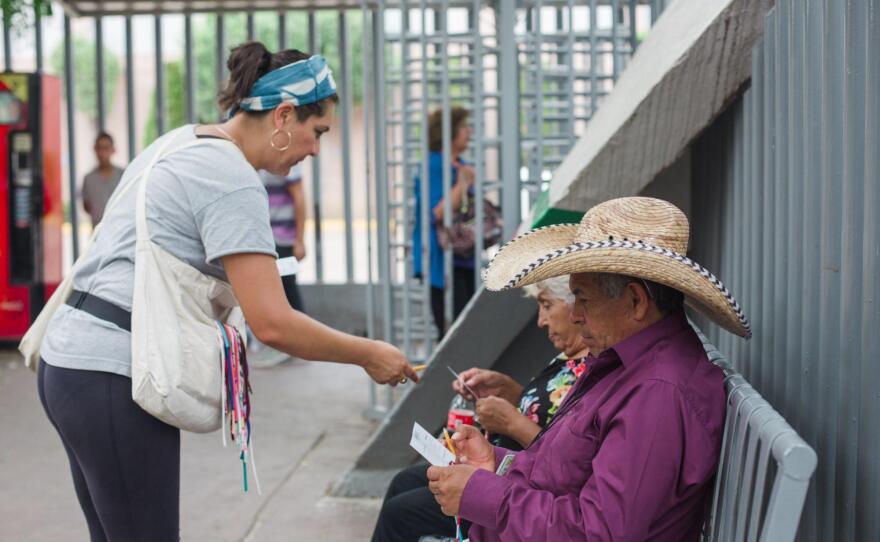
447	484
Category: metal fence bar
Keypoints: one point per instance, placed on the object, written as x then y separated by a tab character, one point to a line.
99	73
160	78
220	54
448	278
424	189
189	71
129	89
633	37
368	83
539	93
282	30
570	65
314	41
405	179
347	107
7	41
615	45
71	140
509	116
594	60
382	175
479	158
38	38
251	30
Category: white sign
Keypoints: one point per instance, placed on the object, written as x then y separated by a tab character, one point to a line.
430	448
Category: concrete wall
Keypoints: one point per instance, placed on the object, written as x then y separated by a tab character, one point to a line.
787	218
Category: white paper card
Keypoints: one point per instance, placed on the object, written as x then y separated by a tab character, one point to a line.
430	448
288	266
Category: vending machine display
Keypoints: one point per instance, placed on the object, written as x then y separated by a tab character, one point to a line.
31	212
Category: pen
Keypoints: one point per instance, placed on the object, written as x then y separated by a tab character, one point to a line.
460	379
449	443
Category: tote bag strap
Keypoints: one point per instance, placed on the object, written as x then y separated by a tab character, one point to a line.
141	231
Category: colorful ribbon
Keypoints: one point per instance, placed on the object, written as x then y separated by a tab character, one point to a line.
235	392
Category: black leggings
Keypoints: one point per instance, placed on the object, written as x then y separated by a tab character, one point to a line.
125	463
463	290
410	511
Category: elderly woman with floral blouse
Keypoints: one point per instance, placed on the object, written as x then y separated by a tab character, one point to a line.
512	413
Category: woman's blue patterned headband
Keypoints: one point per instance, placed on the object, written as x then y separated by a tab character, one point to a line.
303	82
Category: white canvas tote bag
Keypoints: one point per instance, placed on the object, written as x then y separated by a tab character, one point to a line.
175	355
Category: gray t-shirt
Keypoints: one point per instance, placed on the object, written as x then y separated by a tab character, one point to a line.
203	202
96	191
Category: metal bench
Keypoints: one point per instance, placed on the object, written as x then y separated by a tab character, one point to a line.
745	508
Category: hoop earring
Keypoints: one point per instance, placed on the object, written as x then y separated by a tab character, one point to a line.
272	140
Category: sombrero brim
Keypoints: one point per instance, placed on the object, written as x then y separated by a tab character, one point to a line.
551	251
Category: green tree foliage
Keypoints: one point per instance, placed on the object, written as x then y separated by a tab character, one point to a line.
21	13
85	77
265	30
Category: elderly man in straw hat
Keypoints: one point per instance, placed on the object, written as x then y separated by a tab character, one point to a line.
631	452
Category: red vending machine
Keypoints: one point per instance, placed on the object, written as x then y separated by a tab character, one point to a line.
31	211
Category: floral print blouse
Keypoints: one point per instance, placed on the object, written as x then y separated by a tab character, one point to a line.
542	396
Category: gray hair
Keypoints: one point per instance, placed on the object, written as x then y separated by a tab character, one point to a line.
667	299
555	287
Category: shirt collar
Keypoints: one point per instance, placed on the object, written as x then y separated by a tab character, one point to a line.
634	347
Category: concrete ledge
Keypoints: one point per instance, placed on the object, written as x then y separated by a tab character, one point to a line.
692	64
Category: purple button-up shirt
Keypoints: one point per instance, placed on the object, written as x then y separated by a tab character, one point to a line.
629	456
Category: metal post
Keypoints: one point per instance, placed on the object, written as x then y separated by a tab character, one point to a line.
71	140
570	83
539	95
381	172
160	79
448	279
38	37
594	60
314	40
508	84
7	41
425	192
615	47
479	168
347	106
251	31
220	55
365	59
633	36
129	89
191	113
405	200
282	30
99	73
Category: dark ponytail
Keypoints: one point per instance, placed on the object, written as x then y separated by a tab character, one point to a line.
250	61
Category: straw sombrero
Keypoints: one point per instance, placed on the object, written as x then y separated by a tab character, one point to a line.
640	237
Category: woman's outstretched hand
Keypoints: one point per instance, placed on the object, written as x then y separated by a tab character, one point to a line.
386	364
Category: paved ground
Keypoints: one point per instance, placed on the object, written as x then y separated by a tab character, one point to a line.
307	430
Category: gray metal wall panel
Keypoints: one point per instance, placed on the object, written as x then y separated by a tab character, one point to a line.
785	197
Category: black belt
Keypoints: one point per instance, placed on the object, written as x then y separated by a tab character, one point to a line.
100	308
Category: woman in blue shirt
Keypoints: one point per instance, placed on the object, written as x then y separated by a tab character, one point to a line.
462	183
